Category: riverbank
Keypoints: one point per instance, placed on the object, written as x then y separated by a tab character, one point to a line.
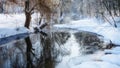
14	24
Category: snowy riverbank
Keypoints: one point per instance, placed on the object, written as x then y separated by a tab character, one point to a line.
92	25
13	24
109	58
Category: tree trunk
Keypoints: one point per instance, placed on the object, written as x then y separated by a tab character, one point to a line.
27	14
28	19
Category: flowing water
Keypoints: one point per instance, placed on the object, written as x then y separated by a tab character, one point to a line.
55	49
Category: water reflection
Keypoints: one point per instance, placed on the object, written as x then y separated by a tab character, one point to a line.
29	52
46	58
12	56
46	50
50	51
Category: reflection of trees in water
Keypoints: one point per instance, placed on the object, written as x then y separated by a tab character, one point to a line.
48	49
50	53
3	56
20	56
88	41
11	55
61	37
46	59
29	53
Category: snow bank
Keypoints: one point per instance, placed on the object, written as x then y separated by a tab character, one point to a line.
97	60
113	56
73	48
114	59
95	64
113	51
12	24
108	58
109	32
92	25
5	32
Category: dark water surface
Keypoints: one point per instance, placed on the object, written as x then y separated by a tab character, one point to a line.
46	50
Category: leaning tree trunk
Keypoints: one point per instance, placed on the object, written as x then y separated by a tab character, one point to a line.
27	14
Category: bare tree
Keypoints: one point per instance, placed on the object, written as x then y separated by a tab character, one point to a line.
46	8
27	13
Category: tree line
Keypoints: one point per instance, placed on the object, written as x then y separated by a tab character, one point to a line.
53	10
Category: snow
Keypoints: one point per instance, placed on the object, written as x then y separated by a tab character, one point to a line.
92	25
109	58
5	32
80	25
12	24
109	33
115	50
97	60
9	24
95	64
71	46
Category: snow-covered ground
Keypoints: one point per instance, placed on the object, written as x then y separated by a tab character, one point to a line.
109	58
98	60
14	24
92	25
